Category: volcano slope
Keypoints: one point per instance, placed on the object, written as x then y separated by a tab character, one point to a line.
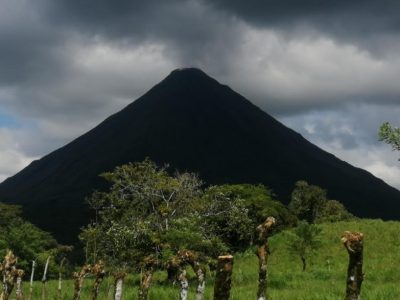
196	124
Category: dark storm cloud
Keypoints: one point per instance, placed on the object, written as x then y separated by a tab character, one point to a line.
341	16
65	65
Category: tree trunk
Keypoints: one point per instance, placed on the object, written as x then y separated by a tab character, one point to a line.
172	267
189	257
18	285
9	273
353	242
31	281
59	288
184	284
118	283
149	263
264	231
223	278
145	282
201	284
79	278
44	279
98	270
304	263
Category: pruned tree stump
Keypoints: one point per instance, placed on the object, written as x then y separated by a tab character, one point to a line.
264	231
118	283
149	264
353	242
79	278
223	277
99	271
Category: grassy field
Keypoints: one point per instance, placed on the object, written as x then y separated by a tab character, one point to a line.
324	279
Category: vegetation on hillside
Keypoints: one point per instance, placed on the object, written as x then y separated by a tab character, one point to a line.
27	241
324	279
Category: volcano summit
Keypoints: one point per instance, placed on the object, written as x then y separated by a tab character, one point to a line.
196	124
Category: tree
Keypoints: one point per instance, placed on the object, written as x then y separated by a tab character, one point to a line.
241	208
146	217
27	241
304	241
333	211
142	204
306	201
309	203
390	135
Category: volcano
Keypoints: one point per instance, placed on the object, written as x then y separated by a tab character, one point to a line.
196	124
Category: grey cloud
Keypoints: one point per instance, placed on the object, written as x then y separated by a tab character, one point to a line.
355	19
66	65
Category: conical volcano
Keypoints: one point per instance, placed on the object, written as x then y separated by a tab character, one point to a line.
196	124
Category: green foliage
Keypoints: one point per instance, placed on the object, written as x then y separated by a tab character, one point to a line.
309	203
307	200
241	208
259	202
146	211
226	216
304	241
324	280
333	211
26	240
390	135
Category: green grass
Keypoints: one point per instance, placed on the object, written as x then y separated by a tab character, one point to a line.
324	279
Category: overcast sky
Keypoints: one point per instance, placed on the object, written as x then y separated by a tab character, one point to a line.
328	69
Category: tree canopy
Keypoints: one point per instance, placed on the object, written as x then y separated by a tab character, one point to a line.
148	211
390	135
309	202
26	240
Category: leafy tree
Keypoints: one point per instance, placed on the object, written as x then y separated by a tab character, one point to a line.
306	201
242	207
333	211
226	216
26	240
309	203
390	135
304	241
146	212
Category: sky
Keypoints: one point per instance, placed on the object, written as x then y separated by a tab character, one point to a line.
328	69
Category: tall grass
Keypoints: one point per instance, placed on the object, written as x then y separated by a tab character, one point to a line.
324	280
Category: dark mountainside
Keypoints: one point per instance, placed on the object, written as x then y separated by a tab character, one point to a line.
193	123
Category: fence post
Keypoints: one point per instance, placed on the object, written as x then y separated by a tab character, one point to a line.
79	278
44	279
31	280
118	283
99	272
149	263
223	277
264	231
353	242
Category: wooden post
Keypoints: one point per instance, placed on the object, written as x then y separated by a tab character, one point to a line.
264	231
31	281
118	283
149	263
18	285
98	270
9	273
59	288
353	242
182	278
44	279
79	278
189	257
223	278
